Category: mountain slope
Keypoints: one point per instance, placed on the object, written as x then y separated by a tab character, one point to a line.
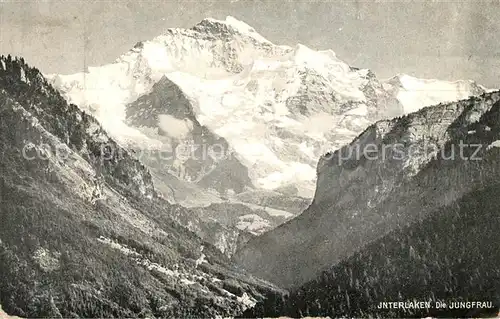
360	197
83	231
451	256
195	154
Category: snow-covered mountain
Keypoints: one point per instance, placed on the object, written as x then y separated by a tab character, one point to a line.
277	108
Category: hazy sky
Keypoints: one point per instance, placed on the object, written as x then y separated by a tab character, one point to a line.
447	40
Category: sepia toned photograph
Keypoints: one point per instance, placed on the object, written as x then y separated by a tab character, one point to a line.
249	159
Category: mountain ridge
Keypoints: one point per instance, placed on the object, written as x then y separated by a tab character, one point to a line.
337	216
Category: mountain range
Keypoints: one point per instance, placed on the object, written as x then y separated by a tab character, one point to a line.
239	116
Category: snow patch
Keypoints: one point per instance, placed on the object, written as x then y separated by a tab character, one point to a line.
494	144
241	27
47	260
416	93
3	315
174	127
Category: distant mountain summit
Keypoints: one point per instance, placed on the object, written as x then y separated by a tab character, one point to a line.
275	109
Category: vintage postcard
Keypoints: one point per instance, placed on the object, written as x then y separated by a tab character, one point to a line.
249	159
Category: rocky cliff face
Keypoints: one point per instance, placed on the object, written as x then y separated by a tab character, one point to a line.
83	231
385	179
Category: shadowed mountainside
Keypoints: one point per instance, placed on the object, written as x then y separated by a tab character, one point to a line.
83	232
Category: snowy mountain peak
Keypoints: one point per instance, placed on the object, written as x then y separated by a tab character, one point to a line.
278	107
230	23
